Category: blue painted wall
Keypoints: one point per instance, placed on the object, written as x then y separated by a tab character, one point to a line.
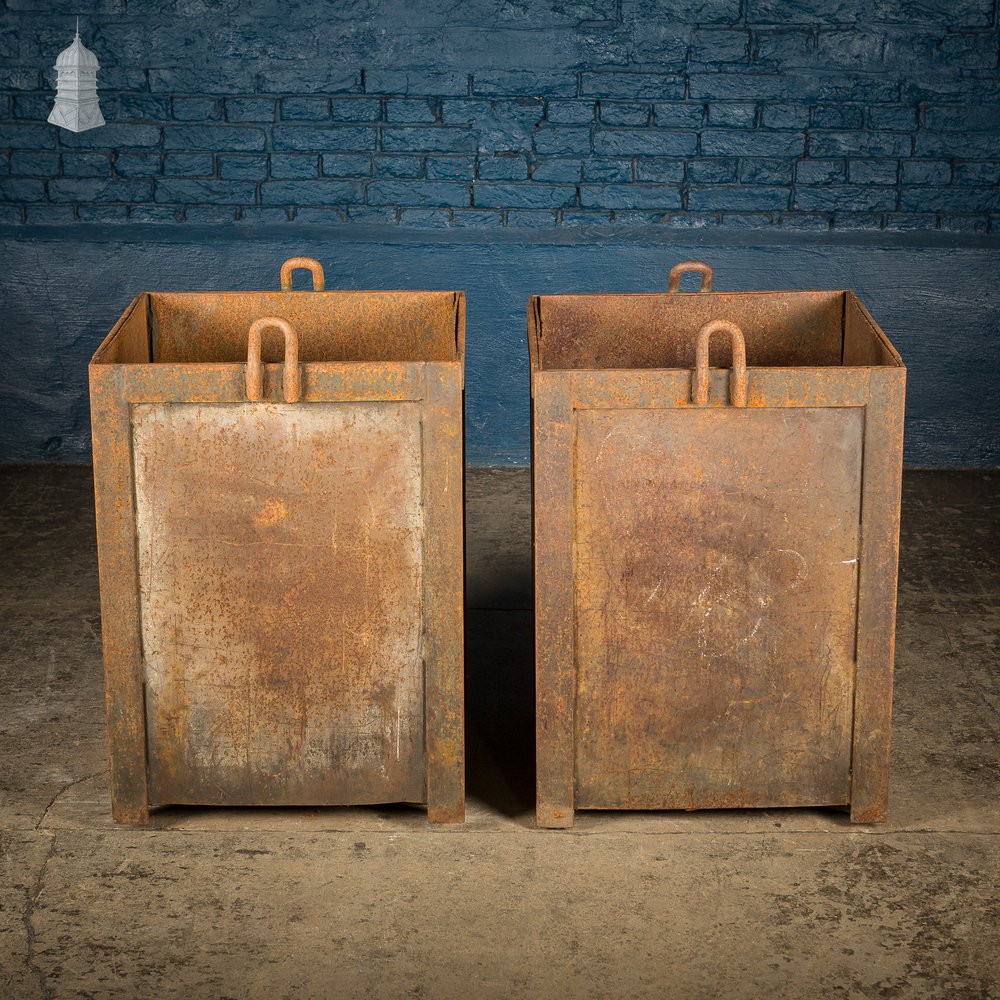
937	300
507	148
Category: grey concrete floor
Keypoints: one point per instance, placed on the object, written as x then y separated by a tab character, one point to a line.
373	903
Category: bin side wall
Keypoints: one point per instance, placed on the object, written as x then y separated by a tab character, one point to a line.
659	331
351	326
614	459
864	344
285	581
129	341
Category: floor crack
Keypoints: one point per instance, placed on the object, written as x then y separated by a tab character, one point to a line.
28	920
65	788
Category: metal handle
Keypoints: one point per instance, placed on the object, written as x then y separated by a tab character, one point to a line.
693	266
304	263
290	378
738	378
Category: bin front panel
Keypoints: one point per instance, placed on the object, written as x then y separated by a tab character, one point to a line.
280	563
716	558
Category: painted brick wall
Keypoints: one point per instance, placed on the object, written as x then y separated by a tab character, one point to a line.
804	114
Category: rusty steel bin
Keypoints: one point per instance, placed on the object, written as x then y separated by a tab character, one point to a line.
279	517
714	549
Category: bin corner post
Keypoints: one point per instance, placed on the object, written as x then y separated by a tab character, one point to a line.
881	484
443	592
119	577
552	409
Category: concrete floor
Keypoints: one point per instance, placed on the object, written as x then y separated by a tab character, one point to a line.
373	903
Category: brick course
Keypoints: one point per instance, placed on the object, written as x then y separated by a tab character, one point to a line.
792	113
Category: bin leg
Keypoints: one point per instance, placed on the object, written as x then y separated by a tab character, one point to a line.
444	682
549	817
442	815
129	814
554	605
119	573
883	460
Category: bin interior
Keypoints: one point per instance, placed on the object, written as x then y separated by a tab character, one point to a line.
193	327
781	330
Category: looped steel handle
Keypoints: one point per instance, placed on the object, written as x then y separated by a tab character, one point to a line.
306	263
738	378
695	266
291	382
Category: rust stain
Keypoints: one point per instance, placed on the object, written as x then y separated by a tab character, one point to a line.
274	509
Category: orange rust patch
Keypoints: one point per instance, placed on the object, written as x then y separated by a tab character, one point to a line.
273	511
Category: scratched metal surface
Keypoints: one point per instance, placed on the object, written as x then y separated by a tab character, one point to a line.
281	586
715	588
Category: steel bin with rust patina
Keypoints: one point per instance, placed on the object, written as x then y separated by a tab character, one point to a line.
715	550
279	513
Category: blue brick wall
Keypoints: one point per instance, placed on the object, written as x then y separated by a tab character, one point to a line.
843	114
